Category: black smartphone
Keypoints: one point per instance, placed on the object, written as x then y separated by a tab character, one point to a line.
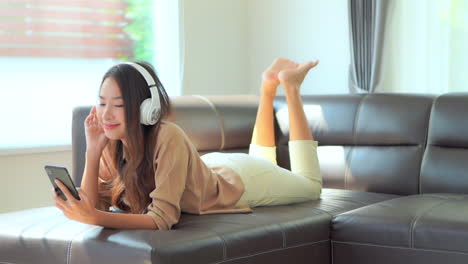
61	173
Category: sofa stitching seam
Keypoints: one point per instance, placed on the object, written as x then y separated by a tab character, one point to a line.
39	222
282	234
224	244
224	247
69	251
426	142
70	243
399	247
347	200
425	146
417	217
322	211
220	120
331	252
269	251
350	154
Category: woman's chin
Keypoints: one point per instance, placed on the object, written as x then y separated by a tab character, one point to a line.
112	136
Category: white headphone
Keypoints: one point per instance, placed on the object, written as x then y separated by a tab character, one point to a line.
150	108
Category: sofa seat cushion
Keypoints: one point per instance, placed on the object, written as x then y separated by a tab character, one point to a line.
337	201
269	235
277	234
427	222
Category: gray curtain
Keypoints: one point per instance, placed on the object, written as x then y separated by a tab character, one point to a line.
366	27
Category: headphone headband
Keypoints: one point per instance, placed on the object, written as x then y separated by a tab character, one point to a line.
150	107
149	79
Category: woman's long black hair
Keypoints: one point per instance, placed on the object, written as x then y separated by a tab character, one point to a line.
132	165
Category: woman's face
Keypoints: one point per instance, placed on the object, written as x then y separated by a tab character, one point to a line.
110	111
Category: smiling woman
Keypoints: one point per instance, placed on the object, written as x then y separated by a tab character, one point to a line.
52	56
111	109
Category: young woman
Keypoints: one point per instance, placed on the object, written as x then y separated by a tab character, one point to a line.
140	163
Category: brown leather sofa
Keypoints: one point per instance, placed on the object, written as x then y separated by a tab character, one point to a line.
395	171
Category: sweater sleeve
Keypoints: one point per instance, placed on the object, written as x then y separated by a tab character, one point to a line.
171	163
104	181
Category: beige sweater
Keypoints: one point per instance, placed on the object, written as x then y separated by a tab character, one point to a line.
184	183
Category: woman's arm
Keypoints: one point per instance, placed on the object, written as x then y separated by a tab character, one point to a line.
124	221
89	183
96	141
84	211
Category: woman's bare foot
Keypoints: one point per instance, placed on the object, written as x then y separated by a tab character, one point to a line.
270	79
293	77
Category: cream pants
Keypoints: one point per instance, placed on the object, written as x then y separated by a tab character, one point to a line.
268	184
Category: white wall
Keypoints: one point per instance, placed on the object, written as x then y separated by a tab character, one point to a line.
229	43
215	47
300	30
24	183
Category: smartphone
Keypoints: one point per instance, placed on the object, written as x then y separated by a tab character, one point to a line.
61	174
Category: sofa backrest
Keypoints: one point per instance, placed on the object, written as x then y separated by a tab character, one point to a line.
366	142
445	163
371	142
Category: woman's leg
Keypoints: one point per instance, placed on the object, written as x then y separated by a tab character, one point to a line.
263	137
291	79
302	147
267	184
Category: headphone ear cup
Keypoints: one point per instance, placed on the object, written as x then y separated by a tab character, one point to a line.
145	112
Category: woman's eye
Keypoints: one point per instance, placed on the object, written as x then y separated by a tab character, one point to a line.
101	104
119	105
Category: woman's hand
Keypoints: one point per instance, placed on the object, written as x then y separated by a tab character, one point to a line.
95	137
78	210
84	212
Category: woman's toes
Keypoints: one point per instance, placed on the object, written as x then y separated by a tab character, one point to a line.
280	64
296	75
270	75
308	65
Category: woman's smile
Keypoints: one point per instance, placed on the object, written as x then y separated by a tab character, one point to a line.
109	126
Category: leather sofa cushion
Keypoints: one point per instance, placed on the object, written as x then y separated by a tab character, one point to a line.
276	234
426	222
45	234
370	143
444	165
331	117
337	201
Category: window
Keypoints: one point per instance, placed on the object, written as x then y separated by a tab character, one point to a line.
425	47
53	54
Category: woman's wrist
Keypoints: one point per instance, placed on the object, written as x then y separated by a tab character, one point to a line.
93	154
97	217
